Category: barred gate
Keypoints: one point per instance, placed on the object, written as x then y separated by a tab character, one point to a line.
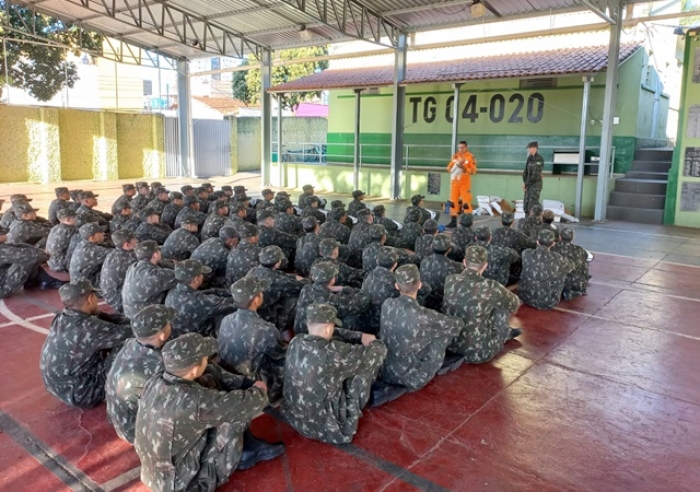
212	148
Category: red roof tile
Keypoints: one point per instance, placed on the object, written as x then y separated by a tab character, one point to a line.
567	61
224	105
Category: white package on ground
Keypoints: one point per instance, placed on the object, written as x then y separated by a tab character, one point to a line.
484	203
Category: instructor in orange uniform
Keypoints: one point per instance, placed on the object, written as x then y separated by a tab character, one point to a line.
461	168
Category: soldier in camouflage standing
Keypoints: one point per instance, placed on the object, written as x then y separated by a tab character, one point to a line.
577	280
214	253
248	344
532	177
501	259
115	266
544	274
80	347
89	255
416	337
60	239
193	437
198	310
328	377
485	306
61	202
436	268
146	282
139	359
183	241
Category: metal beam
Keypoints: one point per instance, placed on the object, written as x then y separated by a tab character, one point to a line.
598	11
184	120
280	168
455	116
399	109
587	79
609	102
357	149
265	116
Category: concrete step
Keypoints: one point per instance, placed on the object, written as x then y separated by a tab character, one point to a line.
651	166
637	200
639	215
653	154
646	175
645	186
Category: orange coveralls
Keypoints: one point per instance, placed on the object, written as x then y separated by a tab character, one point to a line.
461	181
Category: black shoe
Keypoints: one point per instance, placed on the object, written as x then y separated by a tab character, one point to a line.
51	284
255	451
514	333
384	393
453	223
451	363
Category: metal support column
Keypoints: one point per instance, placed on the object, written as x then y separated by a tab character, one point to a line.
399	111
280	168
356	155
455	116
587	79
609	102
184	119
265	116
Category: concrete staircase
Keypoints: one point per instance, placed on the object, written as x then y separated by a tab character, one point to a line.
641	195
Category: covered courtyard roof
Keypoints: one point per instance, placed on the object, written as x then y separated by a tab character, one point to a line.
568	61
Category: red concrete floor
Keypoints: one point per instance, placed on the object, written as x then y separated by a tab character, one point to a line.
600	394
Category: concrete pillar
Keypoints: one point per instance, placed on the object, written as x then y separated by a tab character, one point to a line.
399	111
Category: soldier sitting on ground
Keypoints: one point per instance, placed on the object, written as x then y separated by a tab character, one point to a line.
544	274
248	344
416	337
128	192
139	359
417	203
198	310
88	213
20	265
380	285
356	204
142	197
160	200
308	191
287	221
191	427
576	281
307	246
312	209
214	253
392	228
267	201
216	220
424	244
463	236
80	347
151	228
89	255
244	256
336	226
171	209
190	210
183	241
436	268
378	237
501	259
485	306
115	266
359	237
124	219
61	202
60	240
26	230
411	230
271	236
531	225
328	377
146	281
329	250
507	237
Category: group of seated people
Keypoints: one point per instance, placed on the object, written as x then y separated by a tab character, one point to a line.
223	307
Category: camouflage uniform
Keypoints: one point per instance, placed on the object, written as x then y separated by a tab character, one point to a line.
272	237
54	207
507	237
544	275
180	244
188	212
327	382
347	275
577	280
18	262
485	307
213	253
350	303
355	206
153	232
187	436
392	228
114	271
244	256
120	202
306	253
124	222
133	366
198	310
289	224
424	244
500	259
28	231
79	350
531	224
359	236
87	259
308	193
86	215
334	229
58	246
145	283
462	237
139	201
170	213
158	205
212	226
411	231
369	256
532	179
436	268
416	337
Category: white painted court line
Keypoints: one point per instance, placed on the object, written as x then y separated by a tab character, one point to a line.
122	479
5	311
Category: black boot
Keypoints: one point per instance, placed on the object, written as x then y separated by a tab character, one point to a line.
256	450
453	223
514	333
47	282
452	362
384	393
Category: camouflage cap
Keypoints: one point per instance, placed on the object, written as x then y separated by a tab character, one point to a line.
141	184
267	191
337	213
246	229
507	218
466	220
263	214
536	209
189	200
152	319
189	220
226	188
377	231
228	232
206	185
128	187
219	194
176	195
533	145
430	226
407	274
84	195
240	189
75	194
309	223
413	215
20	197
441	243
379	209
358	193
24	208
156	184
364	213
476	254
567	234
148	211
123	206
270	255
311	199
90	229
387	257
416	199
146	249
187	270
159	191
75	289
482	233
283	194
61	190
546	237
186	188
322	314
323	272
283	204
327	246
244	290
337	203
201	189
122	236
64	213
307	187
242	198
186	351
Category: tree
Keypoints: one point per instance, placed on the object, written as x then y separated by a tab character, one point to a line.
286	73
240	86
38	68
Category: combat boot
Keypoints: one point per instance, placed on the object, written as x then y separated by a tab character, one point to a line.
382	393
256	450
453	223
